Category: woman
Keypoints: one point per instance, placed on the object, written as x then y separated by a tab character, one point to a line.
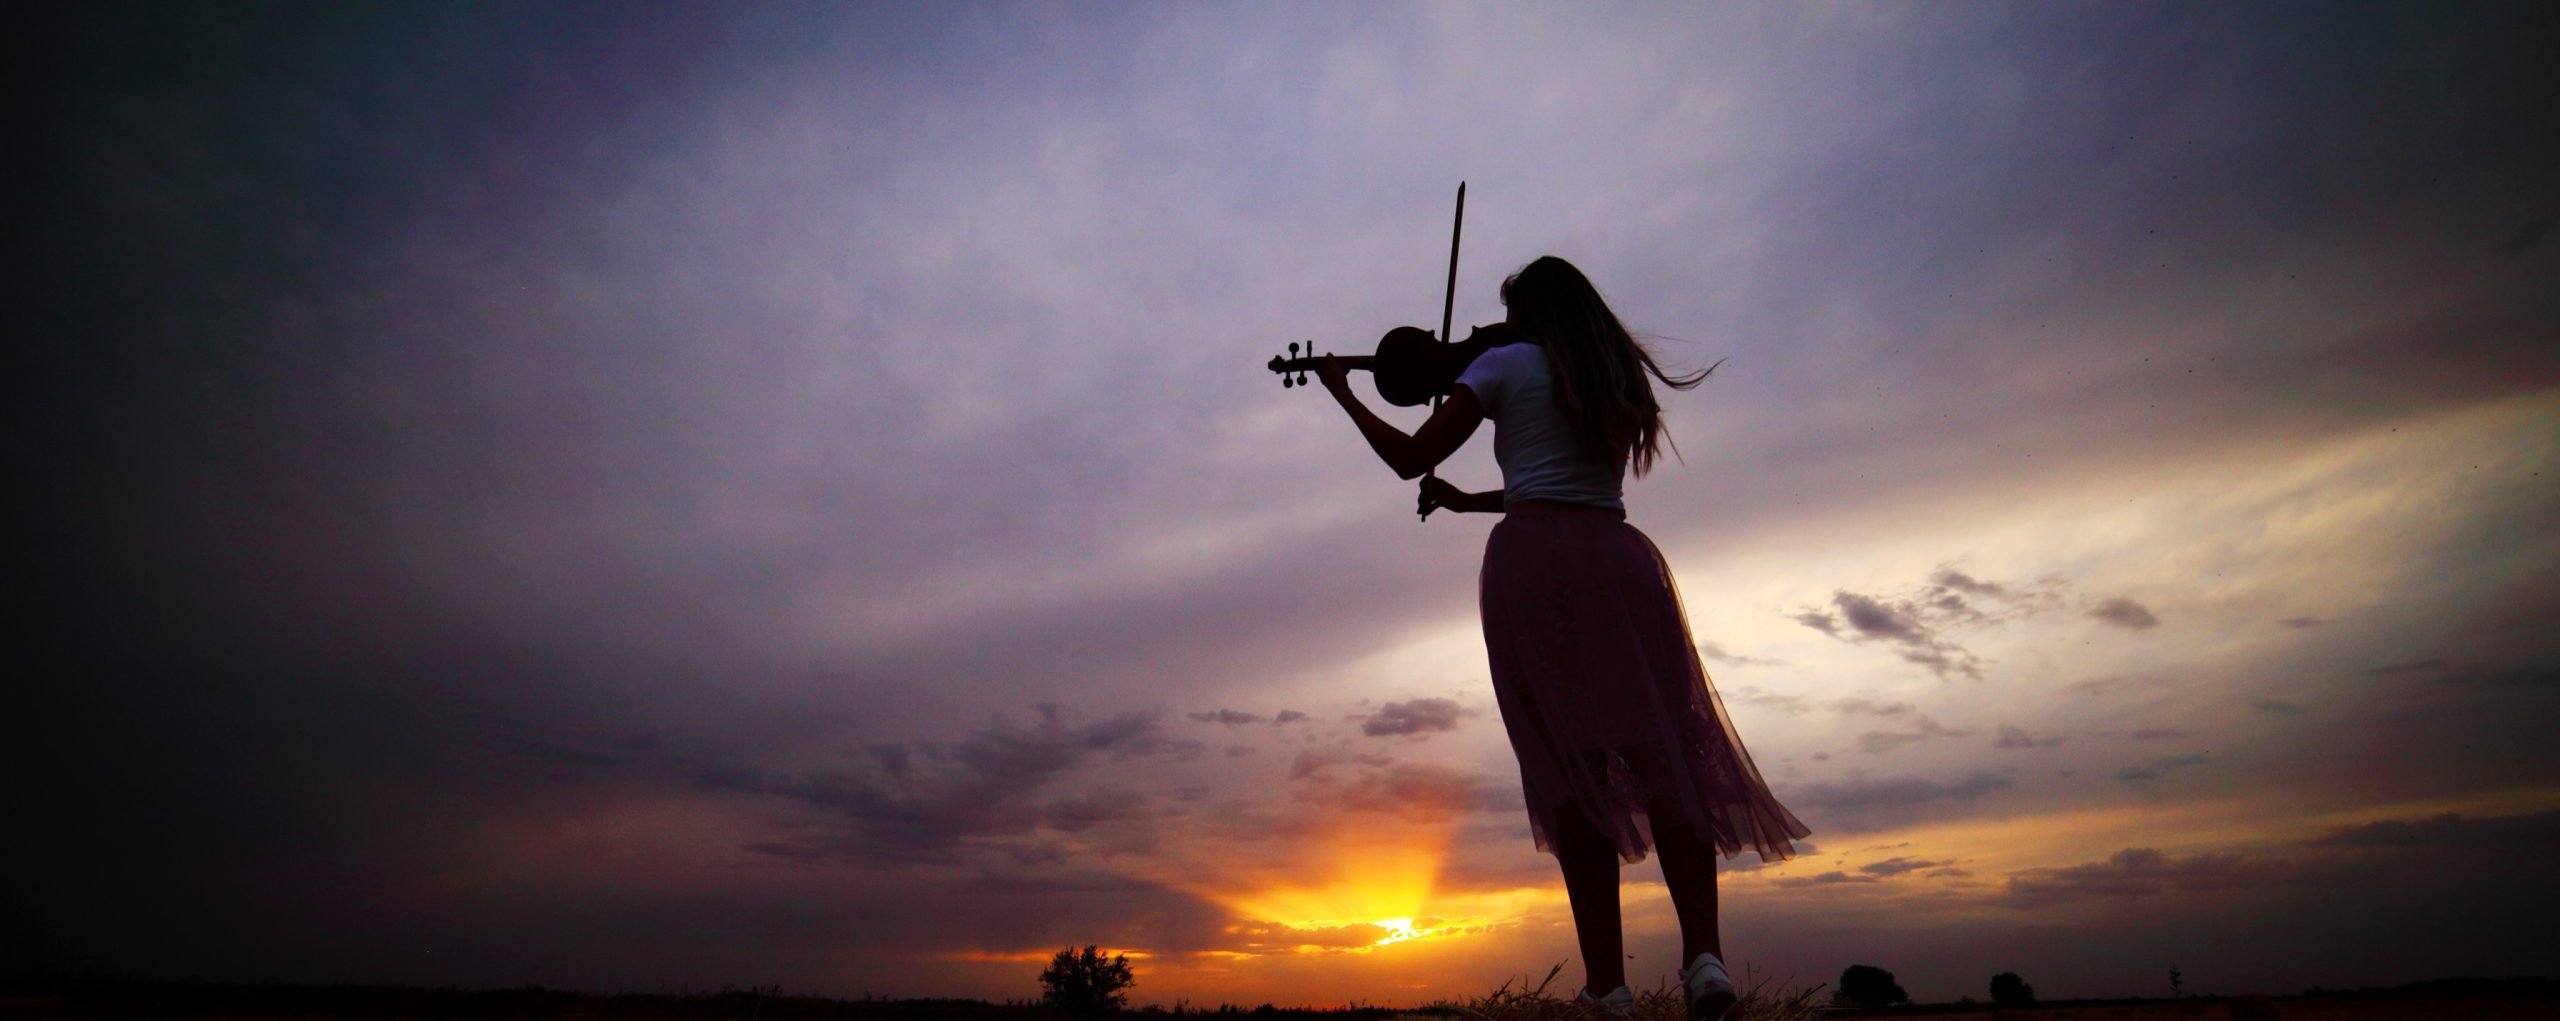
1623	743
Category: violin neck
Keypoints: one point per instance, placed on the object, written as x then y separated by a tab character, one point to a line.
1309	364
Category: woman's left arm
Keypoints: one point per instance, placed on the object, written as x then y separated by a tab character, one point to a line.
1410	456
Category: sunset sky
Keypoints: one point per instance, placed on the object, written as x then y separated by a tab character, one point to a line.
659	497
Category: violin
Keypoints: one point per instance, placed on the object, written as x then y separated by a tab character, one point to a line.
1410	367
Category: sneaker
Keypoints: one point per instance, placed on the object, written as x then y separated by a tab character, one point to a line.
1620	1003
1710	990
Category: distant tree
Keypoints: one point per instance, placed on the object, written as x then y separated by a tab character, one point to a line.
1865	985
1085	982
2008	990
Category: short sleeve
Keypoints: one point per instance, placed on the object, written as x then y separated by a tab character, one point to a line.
1491	376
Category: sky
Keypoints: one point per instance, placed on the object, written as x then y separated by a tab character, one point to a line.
671	497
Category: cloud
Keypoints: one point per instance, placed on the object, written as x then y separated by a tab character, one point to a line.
1911	628
2159	767
1899	791
942	801
1898	865
2160	733
2139	872
1832	878
1288	716
1922	728
1313	762
2301	623
2409	666
1874	619
1226	717
2017	737
1916	621
2125	613
2447	831
1716	652
1413	791
2278	706
1416	717
1749	694
1961	582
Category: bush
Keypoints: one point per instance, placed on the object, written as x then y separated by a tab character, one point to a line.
2008	990
1865	985
1085	982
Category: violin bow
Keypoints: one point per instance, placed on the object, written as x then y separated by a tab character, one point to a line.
1448	302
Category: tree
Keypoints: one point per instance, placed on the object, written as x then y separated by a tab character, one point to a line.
1085	982
2008	990
1865	985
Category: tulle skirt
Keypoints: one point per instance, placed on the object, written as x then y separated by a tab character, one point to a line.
1607	705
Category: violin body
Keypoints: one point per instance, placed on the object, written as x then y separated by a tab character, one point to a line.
1411	366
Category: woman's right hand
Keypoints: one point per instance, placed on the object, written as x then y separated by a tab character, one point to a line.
1436	493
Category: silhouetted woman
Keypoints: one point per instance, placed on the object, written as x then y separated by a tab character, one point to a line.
1623	743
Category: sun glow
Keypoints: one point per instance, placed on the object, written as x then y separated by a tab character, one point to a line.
1358	891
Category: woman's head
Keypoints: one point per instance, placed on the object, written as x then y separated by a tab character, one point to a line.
1599	368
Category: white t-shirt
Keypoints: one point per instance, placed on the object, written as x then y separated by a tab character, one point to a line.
1532	441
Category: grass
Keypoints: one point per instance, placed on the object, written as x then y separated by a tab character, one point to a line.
1762	1000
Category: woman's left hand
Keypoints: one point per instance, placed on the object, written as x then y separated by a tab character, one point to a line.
1335	378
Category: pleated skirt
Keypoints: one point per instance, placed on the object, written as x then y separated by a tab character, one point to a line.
1610	711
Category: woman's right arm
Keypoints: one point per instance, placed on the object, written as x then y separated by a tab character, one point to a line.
1437	493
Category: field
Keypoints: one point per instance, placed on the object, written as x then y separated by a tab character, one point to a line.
50	998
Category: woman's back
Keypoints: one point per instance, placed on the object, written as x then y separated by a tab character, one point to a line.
1541	456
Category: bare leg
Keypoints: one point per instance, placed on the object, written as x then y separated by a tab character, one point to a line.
1689	869
1590	864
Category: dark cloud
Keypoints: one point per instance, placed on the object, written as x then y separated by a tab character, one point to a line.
1898	791
2409	666
2157	768
2300	623
2124	613
1914	626
1226	717
1287	716
940	801
1871	707
2017	737
1897	865
2142	872
2448	831
1961	582
2160	733
1313	762
2507	677
1413	791
1416	717
2277	706
2527	235
1874	619
1832	878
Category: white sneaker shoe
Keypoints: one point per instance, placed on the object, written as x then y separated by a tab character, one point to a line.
1710	990
1620	1003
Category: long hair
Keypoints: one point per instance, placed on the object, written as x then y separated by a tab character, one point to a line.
1599	368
